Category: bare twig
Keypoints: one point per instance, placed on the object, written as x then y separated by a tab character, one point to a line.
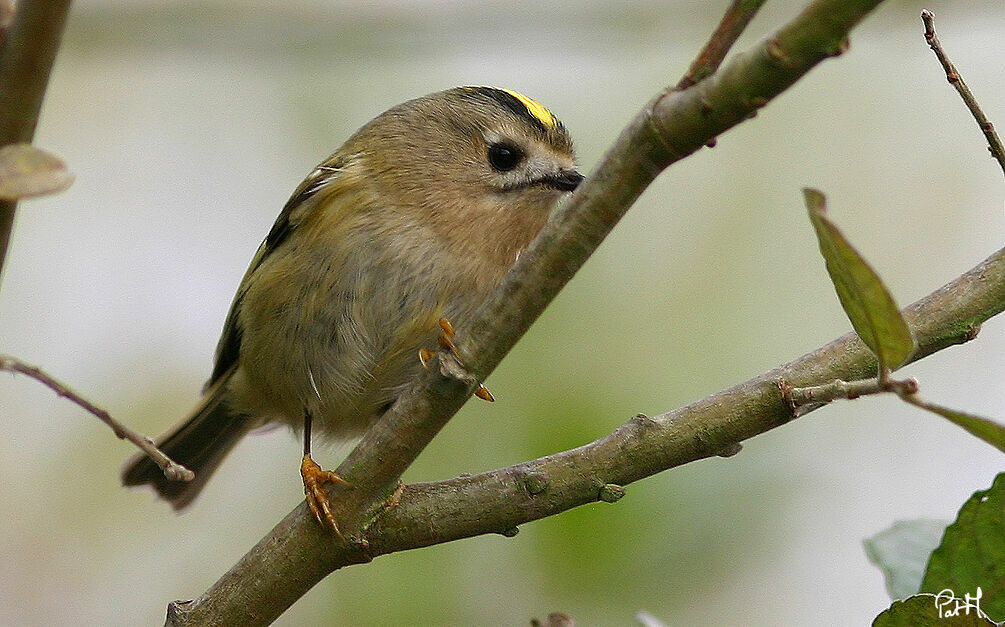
731	26
838	389
954	78
172	470
29	49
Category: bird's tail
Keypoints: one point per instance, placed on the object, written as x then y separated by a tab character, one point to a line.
199	443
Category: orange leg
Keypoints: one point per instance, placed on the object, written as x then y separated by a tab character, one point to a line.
314	481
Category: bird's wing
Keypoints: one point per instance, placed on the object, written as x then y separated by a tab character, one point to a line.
322	177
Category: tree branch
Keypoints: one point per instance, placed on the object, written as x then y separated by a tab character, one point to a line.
672	126
297	554
29	49
731	26
500	500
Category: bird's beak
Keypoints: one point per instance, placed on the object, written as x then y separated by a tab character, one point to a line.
565	180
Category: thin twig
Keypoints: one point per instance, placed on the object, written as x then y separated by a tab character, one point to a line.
172	470
838	389
954	78
731	26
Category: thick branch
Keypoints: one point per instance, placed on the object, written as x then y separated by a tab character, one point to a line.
29	49
673	125
497	502
296	554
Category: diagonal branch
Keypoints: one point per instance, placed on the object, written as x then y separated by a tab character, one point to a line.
672	126
956	80
498	501
731	26
172	470
296	554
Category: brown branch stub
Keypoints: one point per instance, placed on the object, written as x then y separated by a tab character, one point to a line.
555	619
956	80
731	26
172	470
973	331
730	450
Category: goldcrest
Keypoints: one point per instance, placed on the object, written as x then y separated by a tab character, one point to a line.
417	217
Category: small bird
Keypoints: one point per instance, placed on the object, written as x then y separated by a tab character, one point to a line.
415	219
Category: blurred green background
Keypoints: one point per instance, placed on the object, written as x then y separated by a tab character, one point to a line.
189	124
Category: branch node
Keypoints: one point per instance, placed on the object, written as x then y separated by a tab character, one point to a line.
705	107
927	17
641	421
907	387
535	482
842	46
974	329
176	611
364	556
177	472
611	493
730	449
775	51
786	389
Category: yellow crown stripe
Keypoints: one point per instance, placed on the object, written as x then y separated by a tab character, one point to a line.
535	108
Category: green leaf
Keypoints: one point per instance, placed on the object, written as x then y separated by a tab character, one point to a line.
922	611
902	552
868	304
972	552
985	429
27	171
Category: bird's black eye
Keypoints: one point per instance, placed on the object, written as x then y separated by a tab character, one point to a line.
504	157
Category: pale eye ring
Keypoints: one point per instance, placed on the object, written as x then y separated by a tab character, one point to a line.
504	156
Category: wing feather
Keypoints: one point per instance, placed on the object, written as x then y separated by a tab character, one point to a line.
229	346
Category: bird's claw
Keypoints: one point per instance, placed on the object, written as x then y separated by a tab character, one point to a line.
317	499
446	342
